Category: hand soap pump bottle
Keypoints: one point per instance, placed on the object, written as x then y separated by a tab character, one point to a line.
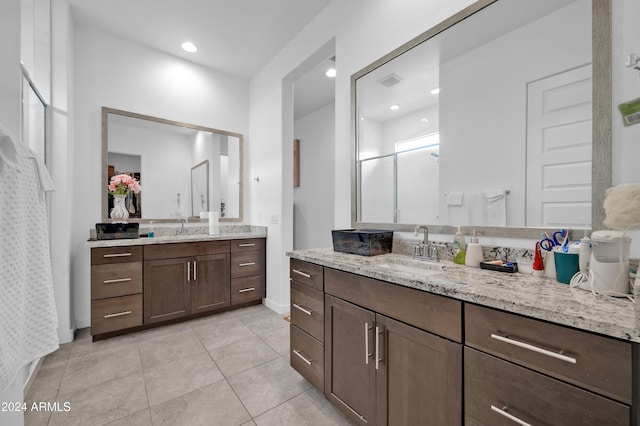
151	233
459	248
474	255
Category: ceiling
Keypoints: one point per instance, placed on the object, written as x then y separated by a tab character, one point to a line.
236	37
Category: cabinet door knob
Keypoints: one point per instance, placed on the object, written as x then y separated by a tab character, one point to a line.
301	273
503	412
117	314
116	280
300	308
533	348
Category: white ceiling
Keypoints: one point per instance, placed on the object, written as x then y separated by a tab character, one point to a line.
236	37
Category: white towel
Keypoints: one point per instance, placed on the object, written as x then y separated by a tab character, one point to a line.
455	198
479	209
28	318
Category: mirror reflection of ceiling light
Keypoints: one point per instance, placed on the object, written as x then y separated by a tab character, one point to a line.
424	120
187	46
331	72
394	107
435	91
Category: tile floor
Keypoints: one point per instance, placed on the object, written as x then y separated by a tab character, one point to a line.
225	369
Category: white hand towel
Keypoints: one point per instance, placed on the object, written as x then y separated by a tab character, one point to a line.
455	198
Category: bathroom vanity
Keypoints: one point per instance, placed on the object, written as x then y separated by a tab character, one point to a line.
393	341
142	283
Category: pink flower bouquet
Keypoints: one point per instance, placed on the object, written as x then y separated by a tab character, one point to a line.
123	184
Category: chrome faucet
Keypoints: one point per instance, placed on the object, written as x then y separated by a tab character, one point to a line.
425	250
183	221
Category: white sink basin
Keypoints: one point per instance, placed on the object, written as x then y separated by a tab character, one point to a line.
413	266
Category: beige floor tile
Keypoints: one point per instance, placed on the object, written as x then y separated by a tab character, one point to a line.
328	408
100	367
177	378
83	345
46	384
249	423
211	405
300	410
141	418
169	347
278	339
58	358
267	386
268	324
242	355
36	418
103	403
214	336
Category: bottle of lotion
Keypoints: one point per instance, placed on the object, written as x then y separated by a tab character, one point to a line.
474	255
459	248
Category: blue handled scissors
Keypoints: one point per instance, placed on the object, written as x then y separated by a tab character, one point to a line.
548	244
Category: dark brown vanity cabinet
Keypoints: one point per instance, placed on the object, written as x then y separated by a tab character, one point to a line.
248	266
307	321
183	279
379	370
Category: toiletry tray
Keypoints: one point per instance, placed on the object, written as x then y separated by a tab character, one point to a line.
117	231
363	242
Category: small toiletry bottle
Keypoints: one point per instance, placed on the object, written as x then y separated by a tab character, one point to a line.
459	248
151	233
473	256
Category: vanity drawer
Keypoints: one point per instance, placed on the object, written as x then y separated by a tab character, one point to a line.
175	250
116	280
247	245
307	309
100	256
597	363
247	263
430	312
307	357
492	385
307	273
116	313
247	289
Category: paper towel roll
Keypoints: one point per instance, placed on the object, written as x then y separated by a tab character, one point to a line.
214	229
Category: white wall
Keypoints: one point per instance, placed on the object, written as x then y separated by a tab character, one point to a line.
113	72
313	199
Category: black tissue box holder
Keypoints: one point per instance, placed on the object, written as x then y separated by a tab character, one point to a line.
363	242
117	231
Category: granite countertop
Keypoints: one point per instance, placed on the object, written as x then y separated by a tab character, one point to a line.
191	234
541	298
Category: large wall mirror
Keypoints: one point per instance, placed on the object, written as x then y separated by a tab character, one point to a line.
183	169
492	120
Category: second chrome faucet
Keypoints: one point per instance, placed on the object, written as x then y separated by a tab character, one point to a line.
425	250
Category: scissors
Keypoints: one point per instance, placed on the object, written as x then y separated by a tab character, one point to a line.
548	244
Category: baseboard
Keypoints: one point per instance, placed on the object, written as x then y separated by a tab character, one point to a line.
65	336
280	309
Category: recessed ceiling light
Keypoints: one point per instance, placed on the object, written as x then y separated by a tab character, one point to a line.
424	120
331	72
435	90
187	46
394	107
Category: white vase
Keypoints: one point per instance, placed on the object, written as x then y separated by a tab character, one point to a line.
119	212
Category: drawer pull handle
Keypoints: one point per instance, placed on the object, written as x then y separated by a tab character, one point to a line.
195	271
188	271
247	245
117	255
117	280
118	314
300	308
367	354
534	348
307	361
503	412
378	359
244	290
301	273
247	264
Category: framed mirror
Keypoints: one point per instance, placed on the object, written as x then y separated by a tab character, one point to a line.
496	120
182	168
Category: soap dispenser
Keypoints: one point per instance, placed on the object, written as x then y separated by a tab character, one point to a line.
459	248
151	233
474	254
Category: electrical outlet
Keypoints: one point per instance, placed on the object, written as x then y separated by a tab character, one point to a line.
632	60
274	219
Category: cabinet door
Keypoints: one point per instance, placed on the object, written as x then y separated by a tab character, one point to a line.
166	293
350	382
419	376
210	283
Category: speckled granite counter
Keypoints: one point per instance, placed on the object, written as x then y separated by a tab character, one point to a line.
541	298
191	234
